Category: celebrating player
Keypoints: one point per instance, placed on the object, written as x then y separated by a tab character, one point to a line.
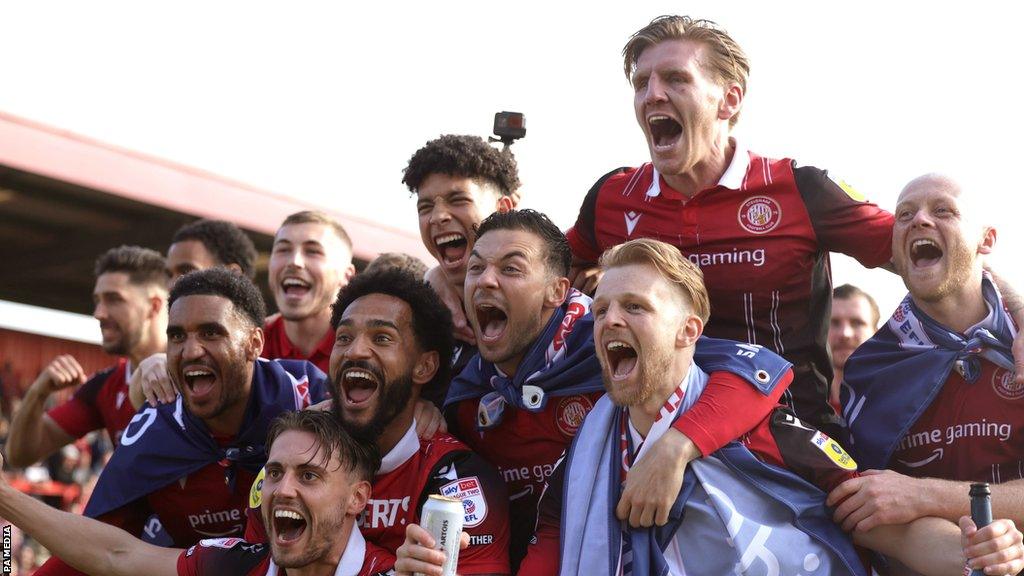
394	337
130	298
932	395
316	485
207	243
191	462
855	318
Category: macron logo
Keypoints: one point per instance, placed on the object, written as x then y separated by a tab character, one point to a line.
631	219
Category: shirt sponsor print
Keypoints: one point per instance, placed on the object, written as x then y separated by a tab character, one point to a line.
471	492
759	214
834	451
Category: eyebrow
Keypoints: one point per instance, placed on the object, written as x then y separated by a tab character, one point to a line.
373	323
512	254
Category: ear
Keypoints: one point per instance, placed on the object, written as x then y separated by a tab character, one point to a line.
988	240
507	203
349	272
555	292
234	268
358	498
732	101
426	367
254	347
157	303
689	332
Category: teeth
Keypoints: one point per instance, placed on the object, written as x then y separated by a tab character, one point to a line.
287	514
618	345
919	243
658	118
194	373
358	374
448	238
288	282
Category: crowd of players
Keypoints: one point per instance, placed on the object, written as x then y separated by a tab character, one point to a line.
651	392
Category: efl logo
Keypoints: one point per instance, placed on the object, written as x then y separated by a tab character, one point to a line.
1005	387
759	214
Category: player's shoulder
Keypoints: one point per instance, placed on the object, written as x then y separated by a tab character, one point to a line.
616	179
225	556
377	561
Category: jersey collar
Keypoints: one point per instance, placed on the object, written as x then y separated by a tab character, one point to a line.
352	559
408	446
732	178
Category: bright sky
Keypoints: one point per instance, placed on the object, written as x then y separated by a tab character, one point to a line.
328	100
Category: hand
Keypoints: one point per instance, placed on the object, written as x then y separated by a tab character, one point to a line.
877	498
62	372
1018	358
323	405
428	419
996	548
653	482
418	552
585	277
453	300
153	381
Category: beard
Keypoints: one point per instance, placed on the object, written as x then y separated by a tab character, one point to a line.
394	396
322	531
651	367
123	345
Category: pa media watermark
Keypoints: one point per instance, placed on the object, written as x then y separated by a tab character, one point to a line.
8	562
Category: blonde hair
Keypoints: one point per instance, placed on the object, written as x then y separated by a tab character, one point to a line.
723	57
670	263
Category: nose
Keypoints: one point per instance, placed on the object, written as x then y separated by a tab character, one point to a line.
613	316
440	214
358	349
100	311
655	91
286	485
922	219
488	278
192	349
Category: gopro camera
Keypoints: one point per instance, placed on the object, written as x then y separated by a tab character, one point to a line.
509	127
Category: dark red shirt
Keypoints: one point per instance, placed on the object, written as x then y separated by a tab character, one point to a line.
102	402
276	345
762	238
970	432
236	557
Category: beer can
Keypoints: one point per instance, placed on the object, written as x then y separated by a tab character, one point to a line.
443	517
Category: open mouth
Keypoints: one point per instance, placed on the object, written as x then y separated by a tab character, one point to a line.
665	131
295	287
358	384
451	247
622	358
289	526
925	253
200	381
492	321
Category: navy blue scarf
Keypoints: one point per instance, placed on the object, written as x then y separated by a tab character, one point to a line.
562	362
166	443
893	377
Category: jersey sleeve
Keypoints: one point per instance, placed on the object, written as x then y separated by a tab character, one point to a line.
786	441
466	476
729	408
219	556
583	234
255	531
542	554
81	414
843	220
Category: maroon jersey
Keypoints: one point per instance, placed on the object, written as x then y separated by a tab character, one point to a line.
236	557
761	236
409	473
102	402
276	345
970	432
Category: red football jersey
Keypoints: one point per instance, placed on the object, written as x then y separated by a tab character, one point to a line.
970	432
236	557
761	236
276	345
102	402
413	470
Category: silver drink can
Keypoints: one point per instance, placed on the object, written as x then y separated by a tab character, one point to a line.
443	517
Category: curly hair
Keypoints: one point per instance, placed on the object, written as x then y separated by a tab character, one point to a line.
431	320
558	255
142	265
463	156
225	241
238	289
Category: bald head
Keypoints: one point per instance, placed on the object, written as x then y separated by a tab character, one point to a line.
938	243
